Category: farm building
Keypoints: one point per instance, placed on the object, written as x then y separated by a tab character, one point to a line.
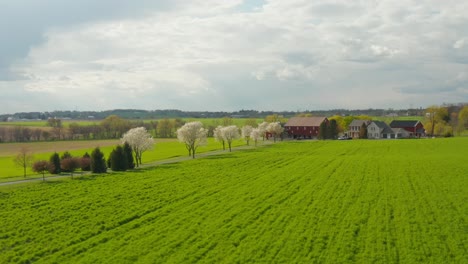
355	127
304	127
380	130
414	127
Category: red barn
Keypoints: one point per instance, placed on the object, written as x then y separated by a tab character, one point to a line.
416	128
304	127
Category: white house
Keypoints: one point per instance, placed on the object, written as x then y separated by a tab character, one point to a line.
379	129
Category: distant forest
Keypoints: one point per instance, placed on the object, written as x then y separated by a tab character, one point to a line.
160	114
173	113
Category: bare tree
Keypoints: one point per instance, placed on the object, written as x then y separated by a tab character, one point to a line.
24	159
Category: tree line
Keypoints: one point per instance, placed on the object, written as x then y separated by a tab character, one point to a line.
126	156
112	127
174	113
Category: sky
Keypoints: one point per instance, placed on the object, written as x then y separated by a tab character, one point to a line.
228	55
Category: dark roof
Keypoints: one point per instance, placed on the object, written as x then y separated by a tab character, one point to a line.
404	123
314	121
385	128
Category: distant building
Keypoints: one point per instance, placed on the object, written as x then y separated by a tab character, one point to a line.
304	127
355	127
414	127
378	130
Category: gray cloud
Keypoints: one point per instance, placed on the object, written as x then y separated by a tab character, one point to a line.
226	55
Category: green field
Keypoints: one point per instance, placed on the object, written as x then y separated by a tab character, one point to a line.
395	201
163	149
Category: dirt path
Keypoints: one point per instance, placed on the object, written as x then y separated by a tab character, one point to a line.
147	165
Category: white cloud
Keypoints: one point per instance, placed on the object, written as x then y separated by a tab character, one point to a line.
460	43
187	57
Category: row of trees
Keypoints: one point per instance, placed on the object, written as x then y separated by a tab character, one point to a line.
123	157
193	134
64	163
442	121
112	127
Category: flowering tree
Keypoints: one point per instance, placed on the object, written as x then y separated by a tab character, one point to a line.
218	135
246	130
275	129
255	135
193	135
262	128
140	141
229	134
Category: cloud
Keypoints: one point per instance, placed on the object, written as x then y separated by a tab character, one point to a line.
226	55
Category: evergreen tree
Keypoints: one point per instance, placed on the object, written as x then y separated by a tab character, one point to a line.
55	164
332	132
98	162
129	153
323	131
66	155
118	159
363	131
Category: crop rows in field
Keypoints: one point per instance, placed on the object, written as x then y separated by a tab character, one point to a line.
306	202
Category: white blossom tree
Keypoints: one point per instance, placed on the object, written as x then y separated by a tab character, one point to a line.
245	131
229	134
193	135
140	141
262	128
218	135
275	129
255	135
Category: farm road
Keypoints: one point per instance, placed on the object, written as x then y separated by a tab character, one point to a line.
147	165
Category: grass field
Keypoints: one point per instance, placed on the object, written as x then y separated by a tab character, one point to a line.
163	149
395	201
